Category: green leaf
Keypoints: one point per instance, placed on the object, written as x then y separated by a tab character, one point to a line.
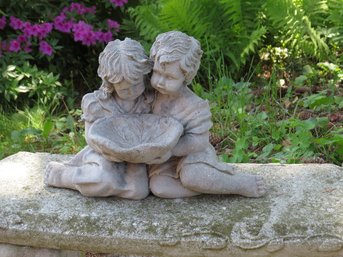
11	67
317	100
47	128
310	124
300	81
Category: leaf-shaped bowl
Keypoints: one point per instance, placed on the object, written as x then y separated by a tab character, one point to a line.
135	138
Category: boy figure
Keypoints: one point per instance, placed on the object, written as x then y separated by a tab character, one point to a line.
193	167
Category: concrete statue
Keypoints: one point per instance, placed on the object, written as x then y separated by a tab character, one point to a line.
152	135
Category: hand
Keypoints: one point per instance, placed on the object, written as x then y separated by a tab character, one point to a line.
161	159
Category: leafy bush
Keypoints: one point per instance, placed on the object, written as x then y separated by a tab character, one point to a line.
27	85
62	37
35	129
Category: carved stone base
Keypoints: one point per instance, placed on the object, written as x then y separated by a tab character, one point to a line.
301	215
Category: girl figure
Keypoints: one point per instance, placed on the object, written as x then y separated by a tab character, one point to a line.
193	168
123	67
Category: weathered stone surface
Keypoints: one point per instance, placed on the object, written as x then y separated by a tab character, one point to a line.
7	250
302	215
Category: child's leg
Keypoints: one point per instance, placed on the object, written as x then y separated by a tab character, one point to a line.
100	178
168	187
164	181
205	178
137	182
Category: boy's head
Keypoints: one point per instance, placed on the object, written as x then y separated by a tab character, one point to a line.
175	46
123	61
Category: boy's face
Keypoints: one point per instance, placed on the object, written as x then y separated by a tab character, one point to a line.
167	78
129	91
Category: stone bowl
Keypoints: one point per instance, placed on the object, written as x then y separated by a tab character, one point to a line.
134	138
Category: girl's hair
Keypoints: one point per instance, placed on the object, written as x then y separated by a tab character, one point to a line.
177	46
122	60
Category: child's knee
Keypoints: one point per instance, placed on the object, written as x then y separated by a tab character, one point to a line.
159	186
191	177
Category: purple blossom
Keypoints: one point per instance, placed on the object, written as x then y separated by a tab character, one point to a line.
16	23
119	3
62	24
104	36
44	29
84	32
80	9
89	38
113	25
2	22
30	30
22	39
45	48
14	46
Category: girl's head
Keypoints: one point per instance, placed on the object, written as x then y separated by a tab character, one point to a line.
122	68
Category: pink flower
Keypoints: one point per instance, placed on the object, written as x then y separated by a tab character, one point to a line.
89	38
30	30
104	36
80	9
113	25
84	32
2	22
15	23
21	38
45	48
119	3
14	46
61	24
44	29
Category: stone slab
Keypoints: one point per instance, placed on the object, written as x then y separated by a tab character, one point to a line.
302	215
7	250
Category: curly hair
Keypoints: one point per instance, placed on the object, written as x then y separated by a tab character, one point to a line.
177	46
122	60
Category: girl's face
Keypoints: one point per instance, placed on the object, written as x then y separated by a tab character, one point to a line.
167	78
129	91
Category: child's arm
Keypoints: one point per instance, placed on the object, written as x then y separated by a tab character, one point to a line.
191	143
196	129
91	109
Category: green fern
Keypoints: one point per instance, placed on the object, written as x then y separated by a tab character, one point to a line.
184	15
290	19
243	17
146	20
336	19
227	28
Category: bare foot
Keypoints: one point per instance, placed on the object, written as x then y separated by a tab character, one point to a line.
250	185
53	174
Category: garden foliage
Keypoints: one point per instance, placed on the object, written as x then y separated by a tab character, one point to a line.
272	71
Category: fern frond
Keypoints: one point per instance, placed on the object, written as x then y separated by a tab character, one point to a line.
336	19
184	15
296	28
253	41
146	20
242	16
243	13
316	10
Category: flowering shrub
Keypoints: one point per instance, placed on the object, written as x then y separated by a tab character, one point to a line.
71	20
63	38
